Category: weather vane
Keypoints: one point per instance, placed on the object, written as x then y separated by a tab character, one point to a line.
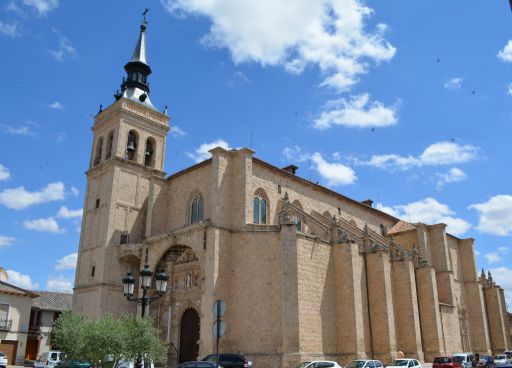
144	15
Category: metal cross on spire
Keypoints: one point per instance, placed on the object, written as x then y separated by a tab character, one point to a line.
146	10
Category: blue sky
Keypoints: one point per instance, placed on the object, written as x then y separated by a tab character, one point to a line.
405	102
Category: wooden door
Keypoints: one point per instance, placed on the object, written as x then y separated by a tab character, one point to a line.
189	336
9	348
31	350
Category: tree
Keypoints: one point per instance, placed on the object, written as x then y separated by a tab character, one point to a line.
107	340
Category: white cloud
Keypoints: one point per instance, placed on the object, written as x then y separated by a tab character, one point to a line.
508	87
8	29
428	211
296	154
440	153
60	283
177	132
453	175
56	105
42	6
44	224
495	215
67	262
202	152
5	241
358	112
328	34
17	130
65	212
506	54
74	191
334	173
503	277
65	48
4	173
21	280
492	257
503	250
19	198
454	83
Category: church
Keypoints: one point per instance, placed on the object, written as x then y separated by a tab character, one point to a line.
305	272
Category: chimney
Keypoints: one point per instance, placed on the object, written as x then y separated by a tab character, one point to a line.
367	202
291	169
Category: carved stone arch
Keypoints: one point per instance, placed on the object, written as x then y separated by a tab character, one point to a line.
327	214
98	153
150	152
132	143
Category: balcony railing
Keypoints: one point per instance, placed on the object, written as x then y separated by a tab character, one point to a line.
5	324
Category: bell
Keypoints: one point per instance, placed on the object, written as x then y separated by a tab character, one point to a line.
130	146
149	151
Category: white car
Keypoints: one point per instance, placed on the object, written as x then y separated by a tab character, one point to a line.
405	363
501	359
319	364
3	360
365	363
48	359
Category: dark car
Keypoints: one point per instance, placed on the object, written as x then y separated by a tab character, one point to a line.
486	361
446	362
199	364
230	360
65	363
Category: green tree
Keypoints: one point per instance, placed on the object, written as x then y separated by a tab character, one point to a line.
107	340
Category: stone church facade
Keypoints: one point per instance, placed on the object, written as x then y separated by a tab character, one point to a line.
306	272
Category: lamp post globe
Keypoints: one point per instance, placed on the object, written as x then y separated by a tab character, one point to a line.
145	277
128	285
161	282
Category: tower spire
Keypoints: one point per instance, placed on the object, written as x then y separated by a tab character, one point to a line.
136	87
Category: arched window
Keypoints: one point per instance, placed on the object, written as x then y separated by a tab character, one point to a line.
110	141
149	152
99	148
327	214
298	219
196	209
259	209
131	145
383	231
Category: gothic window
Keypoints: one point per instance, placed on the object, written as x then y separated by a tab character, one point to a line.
123	239
383	230
131	145
149	152
196	209
110	141
99	147
260	209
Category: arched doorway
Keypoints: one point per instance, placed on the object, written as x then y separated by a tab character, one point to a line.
189	336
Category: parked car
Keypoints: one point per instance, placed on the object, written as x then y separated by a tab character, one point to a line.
501	359
319	364
465	359
365	363
131	364
447	362
3	360
199	364
228	360
405	363
508	353
65	363
48	359
486	361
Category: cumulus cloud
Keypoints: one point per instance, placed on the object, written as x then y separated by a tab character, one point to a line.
42	6
454	83
5	241
495	215
334	173
44	224
296	154
19	198
453	175
202	152
56	105
428	211
4	173
437	154
358	112
18	130
503	277
65	48
328	34
508	88
65	212
21	280
177	132
60	283
506	53
492	257
67	262
8	29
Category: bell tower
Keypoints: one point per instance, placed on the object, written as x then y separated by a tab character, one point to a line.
127	159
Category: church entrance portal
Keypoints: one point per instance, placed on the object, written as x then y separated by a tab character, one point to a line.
189	336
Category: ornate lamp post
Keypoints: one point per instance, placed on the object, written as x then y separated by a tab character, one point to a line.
145	283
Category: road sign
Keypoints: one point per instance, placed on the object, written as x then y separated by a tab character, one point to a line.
219	328
219	309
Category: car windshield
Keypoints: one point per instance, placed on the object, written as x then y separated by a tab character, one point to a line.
442	360
459	358
500	357
356	364
400	363
224	358
2	354
303	365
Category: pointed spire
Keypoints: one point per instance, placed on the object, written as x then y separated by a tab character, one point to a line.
139	54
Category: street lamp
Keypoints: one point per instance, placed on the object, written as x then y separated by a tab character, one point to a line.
145	283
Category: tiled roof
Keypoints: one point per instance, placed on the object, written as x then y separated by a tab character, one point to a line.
7	288
401	226
51	300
